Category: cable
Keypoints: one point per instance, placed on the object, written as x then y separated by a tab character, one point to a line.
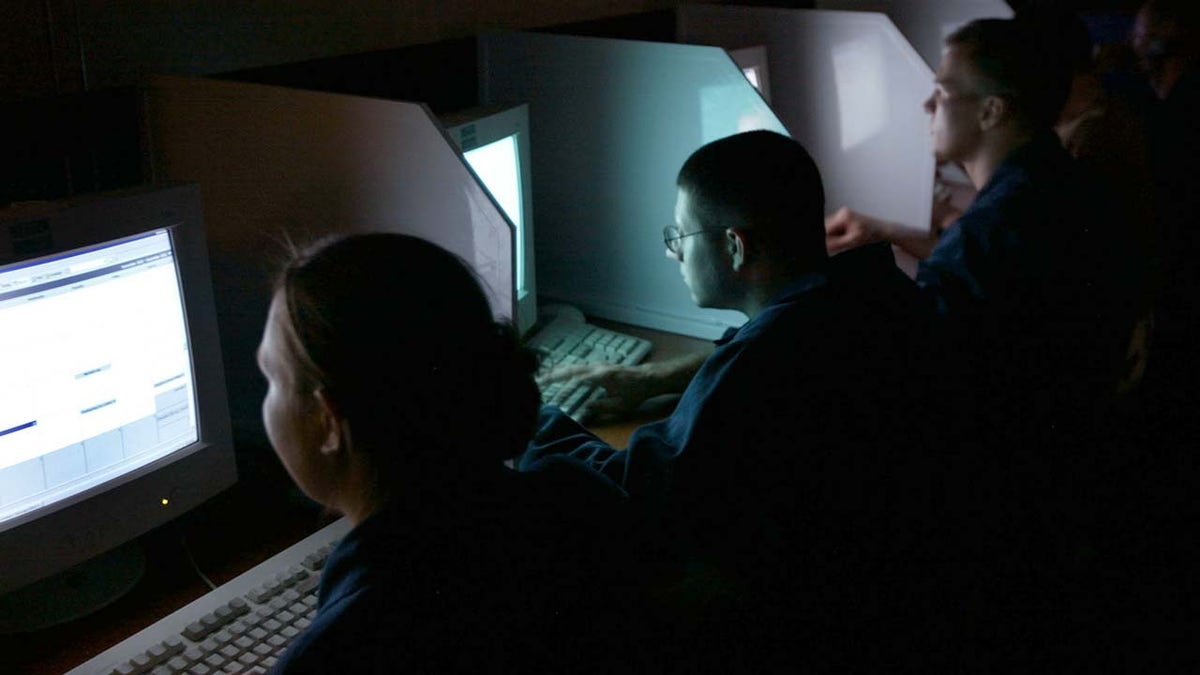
192	560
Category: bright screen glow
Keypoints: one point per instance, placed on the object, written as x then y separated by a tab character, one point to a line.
751	74
498	166
96	378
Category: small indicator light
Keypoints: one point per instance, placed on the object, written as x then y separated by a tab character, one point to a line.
165	501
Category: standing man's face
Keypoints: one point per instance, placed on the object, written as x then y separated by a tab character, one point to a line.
704	261
954	108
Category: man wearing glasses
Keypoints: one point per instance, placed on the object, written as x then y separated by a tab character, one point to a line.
776	472
1033	292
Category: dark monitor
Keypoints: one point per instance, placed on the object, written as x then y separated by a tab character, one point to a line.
113	411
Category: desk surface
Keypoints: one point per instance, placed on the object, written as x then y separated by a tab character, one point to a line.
233	532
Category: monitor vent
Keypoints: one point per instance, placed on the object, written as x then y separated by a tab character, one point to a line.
30	238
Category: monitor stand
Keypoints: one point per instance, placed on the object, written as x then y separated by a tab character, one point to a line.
73	593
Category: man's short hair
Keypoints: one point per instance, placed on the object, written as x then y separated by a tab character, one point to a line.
764	182
1013	61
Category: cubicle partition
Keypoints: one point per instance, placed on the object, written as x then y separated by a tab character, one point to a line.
926	24
850	88
276	164
611	123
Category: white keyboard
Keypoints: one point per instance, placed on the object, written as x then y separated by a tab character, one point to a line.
240	627
568	340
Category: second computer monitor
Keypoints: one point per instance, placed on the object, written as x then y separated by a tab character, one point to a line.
753	62
495	143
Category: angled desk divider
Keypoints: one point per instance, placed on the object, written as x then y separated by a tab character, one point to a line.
611	122
274	163
850	88
924	23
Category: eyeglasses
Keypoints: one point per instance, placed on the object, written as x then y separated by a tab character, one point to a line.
672	236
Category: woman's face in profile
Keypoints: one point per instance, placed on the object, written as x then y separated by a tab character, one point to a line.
290	413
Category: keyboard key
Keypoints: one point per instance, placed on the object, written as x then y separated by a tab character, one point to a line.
262	650
157	653
173	645
210	622
209	646
195	631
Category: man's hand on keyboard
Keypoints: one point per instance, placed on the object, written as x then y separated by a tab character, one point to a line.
625	387
628	387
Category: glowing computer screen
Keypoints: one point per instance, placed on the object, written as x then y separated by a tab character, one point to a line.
498	165
113	411
495	143
98	382
753	62
752	75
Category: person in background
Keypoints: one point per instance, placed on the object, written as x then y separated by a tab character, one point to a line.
445	567
1032	303
786	477
1166	40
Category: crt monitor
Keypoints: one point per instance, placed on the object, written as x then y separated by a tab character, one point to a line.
753	63
495	143
113	413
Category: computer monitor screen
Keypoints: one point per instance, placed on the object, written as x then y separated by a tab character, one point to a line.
753	62
99	381
113	414
495	143
499	167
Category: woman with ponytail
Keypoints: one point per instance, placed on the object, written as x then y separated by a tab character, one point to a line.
395	398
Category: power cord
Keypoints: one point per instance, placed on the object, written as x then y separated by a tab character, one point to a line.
191	559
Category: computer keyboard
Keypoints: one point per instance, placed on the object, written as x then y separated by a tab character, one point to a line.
240	627
569	340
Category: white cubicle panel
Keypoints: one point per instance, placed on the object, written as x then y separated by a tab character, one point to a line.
850	88
924	22
611	122
276	164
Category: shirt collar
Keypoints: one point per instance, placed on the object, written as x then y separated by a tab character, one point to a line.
1042	144
805	283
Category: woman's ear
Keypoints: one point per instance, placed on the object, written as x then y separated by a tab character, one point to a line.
331	423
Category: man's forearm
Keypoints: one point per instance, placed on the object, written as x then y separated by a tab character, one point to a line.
672	376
